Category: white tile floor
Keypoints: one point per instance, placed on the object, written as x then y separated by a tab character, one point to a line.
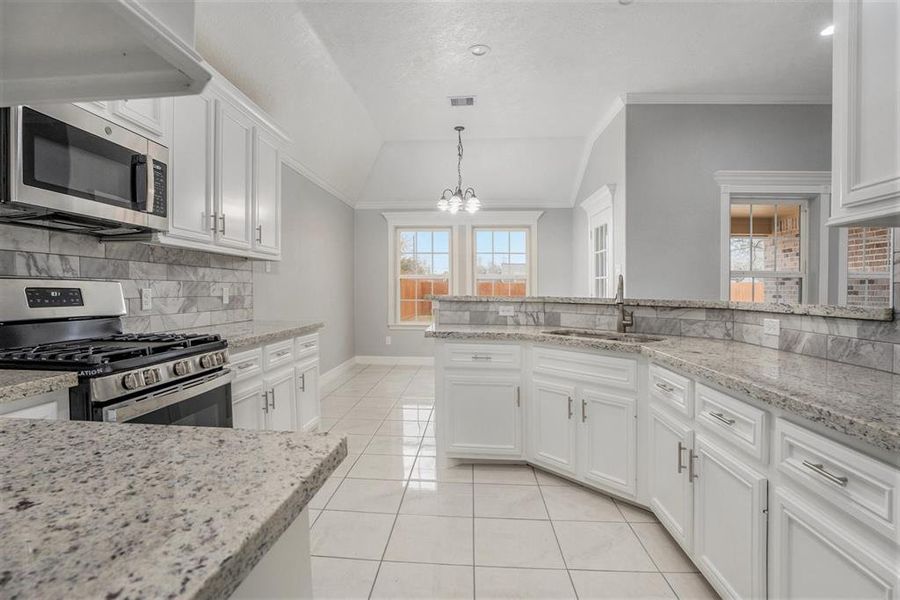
394	522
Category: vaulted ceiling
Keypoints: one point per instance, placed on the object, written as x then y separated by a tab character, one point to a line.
363	86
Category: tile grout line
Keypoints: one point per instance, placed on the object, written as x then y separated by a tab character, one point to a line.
555	536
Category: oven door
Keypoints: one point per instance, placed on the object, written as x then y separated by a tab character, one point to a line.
203	402
64	159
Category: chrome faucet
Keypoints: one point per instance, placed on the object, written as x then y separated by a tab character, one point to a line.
624	318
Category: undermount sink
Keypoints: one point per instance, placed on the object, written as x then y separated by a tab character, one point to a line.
613	336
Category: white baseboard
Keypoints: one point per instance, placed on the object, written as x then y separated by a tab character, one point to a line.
417	361
334	376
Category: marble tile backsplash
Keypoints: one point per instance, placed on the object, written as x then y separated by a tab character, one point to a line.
186	285
874	344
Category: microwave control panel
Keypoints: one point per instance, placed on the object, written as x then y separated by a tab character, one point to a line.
160	185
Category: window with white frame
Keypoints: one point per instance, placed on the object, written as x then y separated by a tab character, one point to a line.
869	266
423	268
501	262
767	247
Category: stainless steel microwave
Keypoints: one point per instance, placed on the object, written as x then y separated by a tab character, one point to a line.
66	168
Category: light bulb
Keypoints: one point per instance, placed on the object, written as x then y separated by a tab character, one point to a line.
472	205
443	205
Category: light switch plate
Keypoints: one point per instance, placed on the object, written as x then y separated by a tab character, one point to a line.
146	298
225	294
771	326
387	340
507	310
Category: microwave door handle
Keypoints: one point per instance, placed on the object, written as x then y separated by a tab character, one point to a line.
142	180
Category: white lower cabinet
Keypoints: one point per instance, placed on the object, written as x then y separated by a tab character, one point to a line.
249	403
553	429
730	504
308	394
814	557
484	416
608	445
281	411
671	492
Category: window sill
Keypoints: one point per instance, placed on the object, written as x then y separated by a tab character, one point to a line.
409	326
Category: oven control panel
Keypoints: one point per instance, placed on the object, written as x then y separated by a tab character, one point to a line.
50	297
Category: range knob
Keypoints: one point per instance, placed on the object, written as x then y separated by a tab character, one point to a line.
132	381
182	367
208	360
220	358
151	376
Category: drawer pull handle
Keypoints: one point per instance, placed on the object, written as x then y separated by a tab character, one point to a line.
819	469
244	365
681	449
481	357
720	417
692	474
570	408
265	396
272	391
303	382
583	411
282	353
309	345
665	387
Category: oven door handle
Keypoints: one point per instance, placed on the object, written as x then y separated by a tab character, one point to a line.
136	407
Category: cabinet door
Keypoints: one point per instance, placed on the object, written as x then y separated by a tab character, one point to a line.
865	118
308	396
267	195
553	424
249	407
730	503
234	153
190	209
483	414
671	491
282	415
813	558
608	440
147	116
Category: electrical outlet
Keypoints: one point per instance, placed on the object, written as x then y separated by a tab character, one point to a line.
146	298
387	340
507	310
268	266
225	294
771	326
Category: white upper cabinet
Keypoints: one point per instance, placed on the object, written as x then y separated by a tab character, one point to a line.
191	154
266	193
234	154
866	113
149	117
128	49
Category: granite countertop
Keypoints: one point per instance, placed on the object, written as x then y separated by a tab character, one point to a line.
16	384
856	401
255	333
99	510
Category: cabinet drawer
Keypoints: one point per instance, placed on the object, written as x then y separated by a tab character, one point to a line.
602	370
246	364
275	355
306	346
865	488
736	421
484	355
671	389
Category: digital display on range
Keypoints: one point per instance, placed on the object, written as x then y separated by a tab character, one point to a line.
46	297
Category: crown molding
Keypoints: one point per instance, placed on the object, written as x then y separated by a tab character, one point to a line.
811	182
662	98
421	205
299	167
611	113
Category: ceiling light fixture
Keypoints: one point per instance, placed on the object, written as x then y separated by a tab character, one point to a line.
453	200
827	31
479	49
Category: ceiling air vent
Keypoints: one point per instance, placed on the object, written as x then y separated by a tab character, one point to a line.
462	100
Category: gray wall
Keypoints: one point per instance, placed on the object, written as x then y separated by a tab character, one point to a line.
605	166
372	280
315	276
673	200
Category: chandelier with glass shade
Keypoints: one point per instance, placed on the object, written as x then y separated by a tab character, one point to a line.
453	200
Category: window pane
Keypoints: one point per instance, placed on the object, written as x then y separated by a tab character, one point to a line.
407	241
407	264
762	231
483	241
777	289
501	241
517	241
787	243
517	259
740	253
423	241
441	264
483	263
742	289
484	287
441	241
424	264
762	254
407	310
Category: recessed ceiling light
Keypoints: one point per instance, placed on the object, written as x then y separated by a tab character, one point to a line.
827	31
479	49
625	2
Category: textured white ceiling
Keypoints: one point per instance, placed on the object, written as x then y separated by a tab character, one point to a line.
269	51
556	66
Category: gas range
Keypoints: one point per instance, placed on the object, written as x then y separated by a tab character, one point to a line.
141	377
